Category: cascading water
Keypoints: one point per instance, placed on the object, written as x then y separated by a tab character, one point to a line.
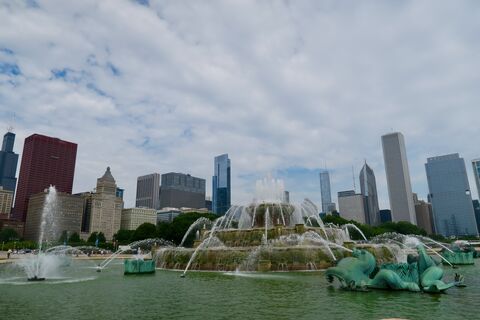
267	234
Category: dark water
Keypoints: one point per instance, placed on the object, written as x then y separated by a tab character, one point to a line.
110	295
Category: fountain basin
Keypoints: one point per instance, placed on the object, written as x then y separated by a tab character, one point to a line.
136	266
459	257
264	258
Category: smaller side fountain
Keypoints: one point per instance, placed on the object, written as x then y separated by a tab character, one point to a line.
138	265
42	264
421	273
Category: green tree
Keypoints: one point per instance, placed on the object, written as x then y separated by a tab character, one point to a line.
74	238
176	230
145	231
8	234
124	236
96	235
63	237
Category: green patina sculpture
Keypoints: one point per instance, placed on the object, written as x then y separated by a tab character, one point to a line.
420	274
461	255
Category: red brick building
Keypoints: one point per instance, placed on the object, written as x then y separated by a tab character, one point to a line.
45	161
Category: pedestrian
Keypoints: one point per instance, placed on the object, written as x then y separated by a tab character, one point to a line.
9	252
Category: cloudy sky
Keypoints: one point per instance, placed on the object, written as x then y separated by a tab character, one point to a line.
286	87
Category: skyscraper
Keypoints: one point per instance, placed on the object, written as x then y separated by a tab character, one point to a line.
182	190
148	191
449	192
327	204
221	185
476	174
8	163
398	178
351	206
368	187
103	209
424	213
45	161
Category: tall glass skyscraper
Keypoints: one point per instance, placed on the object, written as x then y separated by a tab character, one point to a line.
476	174
449	193
221	185
327	204
368	187
8	163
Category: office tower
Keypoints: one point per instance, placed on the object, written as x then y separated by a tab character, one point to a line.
368	187
385	215
398	178
67	216
286	196
6	199
148	191
45	161
103	209
327	204
119	193
221	185
8	163
424	214
476	174
182	190
351	206
449	192
476	209
134	217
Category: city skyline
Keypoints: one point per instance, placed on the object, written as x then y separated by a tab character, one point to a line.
169	98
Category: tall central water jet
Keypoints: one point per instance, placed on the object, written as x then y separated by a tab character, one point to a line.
39	265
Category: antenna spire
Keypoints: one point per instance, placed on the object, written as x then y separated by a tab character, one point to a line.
10	126
353	176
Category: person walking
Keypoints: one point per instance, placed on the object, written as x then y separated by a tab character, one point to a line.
9	252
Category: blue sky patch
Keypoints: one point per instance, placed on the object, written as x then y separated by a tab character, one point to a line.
10	69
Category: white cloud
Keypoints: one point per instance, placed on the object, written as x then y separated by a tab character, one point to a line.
277	85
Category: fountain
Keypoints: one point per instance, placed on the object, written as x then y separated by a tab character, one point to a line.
41	265
267	234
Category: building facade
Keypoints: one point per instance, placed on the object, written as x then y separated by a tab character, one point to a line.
476	174
221	185
132	218
385	215
8	163
6	199
351	206
67	216
476	209
103	209
424	215
449	192
148	191
182	190
325	192
398	178
167	215
368	187
45	161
